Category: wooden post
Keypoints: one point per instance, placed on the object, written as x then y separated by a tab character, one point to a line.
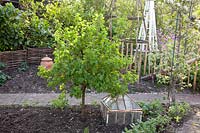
112	4
188	81
149	63
139	65
195	75
135	57
122	50
154	66
145	59
127	49
127	53
131	55
161	63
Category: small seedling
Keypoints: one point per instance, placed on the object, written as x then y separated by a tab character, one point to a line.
2	65
23	67
94	103
86	130
61	102
3	78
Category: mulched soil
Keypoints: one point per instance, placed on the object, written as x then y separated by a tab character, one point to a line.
48	120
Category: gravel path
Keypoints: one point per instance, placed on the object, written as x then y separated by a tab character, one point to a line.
45	99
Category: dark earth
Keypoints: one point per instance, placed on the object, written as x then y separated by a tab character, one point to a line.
25	82
28	82
49	120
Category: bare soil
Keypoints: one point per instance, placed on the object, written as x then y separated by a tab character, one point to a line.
30	82
25	82
48	120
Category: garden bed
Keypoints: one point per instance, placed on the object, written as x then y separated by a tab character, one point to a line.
46	119
29	82
19	119
25	82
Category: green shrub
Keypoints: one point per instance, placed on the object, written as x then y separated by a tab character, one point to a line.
21	29
11	25
38	33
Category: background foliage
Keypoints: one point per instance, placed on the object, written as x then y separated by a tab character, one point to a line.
12	28
35	24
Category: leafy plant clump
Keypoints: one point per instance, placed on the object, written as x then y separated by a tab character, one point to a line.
23	67
61	102
162	79
2	65
177	111
151	125
3	78
158	116
86	57
151	110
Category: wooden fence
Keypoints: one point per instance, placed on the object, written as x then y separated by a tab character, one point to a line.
13	59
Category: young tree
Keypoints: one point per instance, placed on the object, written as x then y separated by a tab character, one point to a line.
86	57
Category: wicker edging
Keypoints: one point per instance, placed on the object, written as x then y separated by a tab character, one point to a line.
13	59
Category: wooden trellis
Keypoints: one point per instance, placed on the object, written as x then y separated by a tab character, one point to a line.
145	42
127	49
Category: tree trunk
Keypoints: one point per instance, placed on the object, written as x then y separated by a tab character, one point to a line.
83	88
171	92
